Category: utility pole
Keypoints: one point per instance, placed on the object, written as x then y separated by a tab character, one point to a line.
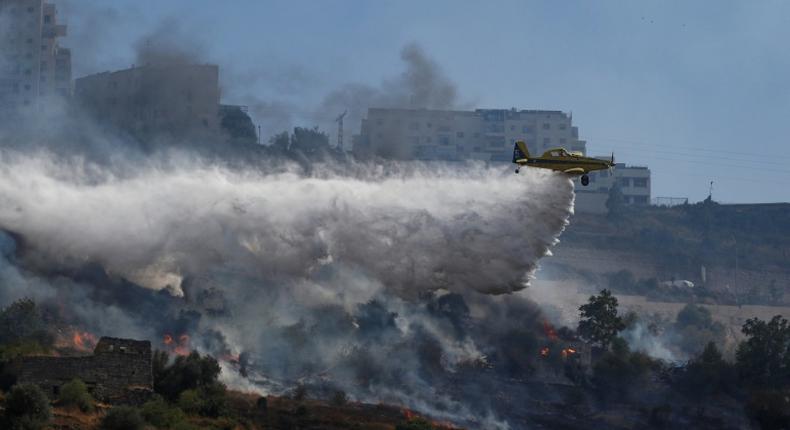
737	290
339	121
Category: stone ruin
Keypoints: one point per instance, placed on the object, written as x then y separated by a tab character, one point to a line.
118	372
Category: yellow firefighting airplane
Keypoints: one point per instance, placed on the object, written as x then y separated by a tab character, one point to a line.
560	160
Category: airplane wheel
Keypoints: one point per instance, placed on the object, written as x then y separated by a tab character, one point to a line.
517	171
585	180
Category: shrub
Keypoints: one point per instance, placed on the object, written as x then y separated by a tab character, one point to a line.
214	400
75	394
162	415
209	401
299	393
27	407
262	404
190	402
415	424
339	398
123	418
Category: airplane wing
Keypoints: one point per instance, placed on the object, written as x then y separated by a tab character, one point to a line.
575	171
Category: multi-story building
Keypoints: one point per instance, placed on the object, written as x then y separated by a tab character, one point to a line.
482	134
175	100
489	135
634	183
32	64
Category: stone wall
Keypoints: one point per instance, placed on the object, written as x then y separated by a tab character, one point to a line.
118	372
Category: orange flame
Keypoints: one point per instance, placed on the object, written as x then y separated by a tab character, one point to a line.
180	347
568	351
544	352
549	330
409	415
83	341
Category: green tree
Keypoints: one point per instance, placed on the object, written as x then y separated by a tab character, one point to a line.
185	373
27	407
695	327
238	125
621	372
75	394
599	322
22	320
280	143
708	374
763	359
310	141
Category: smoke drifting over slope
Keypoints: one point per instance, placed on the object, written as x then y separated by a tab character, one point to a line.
307	275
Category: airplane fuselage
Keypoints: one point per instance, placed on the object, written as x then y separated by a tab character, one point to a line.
560	160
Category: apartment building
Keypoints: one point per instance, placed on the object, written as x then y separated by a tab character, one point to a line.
33	66
176	100
453	135
634	182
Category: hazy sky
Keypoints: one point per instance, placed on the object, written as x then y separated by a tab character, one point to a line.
698	91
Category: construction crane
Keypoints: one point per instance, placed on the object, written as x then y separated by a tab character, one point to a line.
339	122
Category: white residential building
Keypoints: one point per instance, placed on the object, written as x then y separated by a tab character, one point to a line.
451	135
32	65
634	182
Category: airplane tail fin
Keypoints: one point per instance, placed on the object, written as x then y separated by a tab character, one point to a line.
520	151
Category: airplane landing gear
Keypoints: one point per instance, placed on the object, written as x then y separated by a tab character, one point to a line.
585	180
517	171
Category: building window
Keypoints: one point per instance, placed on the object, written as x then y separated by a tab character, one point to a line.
429	125
562	141
546	126
640	182
459	135
624	182
379	121
414	126
428	139
476	135
562	126
525	129
547	141
640	200
512	128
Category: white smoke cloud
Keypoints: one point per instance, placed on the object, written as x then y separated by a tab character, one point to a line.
470	228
